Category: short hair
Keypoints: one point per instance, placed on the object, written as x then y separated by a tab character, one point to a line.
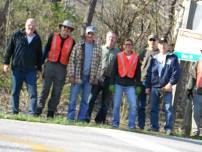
128	39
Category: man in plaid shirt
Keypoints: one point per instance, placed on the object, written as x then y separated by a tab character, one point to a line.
84	69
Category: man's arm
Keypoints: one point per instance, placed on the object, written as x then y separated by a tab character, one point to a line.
9	53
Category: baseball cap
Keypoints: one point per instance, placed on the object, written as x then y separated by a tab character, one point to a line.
91	28
152	37
163	40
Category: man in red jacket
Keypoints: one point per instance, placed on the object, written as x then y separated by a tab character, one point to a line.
57	52
194	90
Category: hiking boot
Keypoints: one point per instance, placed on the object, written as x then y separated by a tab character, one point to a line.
50	114
39	111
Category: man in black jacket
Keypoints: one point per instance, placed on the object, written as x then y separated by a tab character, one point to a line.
25	51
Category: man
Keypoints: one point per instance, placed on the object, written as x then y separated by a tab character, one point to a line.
145	57
195	84
84	70
126	76
57	52
109	53
162	74
25	50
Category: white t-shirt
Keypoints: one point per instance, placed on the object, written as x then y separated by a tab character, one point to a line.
161	58
30	38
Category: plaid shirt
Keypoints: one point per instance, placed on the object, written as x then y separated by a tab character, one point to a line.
76	62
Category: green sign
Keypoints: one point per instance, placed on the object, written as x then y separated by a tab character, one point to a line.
188	45
188	56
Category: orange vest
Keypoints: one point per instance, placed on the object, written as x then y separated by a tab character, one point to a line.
127	67
56	49
199	75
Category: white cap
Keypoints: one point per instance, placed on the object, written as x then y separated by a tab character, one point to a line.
90	29
67	23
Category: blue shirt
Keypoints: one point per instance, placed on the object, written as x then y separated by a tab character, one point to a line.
88	58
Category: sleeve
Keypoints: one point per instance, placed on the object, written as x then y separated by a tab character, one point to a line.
72	60
47	47
39	55
10	50
148	74
114	71
192	79
175	71
138	73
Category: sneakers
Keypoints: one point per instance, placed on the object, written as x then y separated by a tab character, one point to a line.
168	132
195	134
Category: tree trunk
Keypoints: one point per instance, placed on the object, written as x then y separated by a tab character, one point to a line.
3	15
89	16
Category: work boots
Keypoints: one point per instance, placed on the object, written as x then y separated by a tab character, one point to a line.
50	114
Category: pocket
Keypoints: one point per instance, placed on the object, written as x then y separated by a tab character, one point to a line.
199	91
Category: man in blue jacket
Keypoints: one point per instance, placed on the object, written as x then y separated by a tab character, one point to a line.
25	50
162	74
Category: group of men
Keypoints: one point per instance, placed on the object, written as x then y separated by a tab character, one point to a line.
92	68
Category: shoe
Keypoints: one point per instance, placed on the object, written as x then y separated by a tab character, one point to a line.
168	132
39	111
195	134
153	129
50	114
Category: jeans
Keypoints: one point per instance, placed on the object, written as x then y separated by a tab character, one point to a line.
29	77
196	113
131	99
154	103
56	81
141	107
102	113
84	88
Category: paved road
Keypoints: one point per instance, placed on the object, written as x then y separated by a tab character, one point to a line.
19	136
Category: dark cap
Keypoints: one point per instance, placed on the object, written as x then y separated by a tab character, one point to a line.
163	40
152	37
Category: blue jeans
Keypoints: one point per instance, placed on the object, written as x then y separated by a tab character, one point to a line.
18	77
154	103
196	113
131	98
85	88
141	107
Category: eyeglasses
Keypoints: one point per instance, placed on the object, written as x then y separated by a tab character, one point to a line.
127	44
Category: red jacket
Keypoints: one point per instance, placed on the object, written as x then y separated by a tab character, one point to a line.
57	52
127	67
199	74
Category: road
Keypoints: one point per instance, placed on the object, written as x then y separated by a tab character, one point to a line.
20	136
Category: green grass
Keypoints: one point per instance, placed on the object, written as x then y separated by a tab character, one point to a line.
63	121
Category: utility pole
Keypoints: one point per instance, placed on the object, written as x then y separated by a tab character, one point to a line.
89	16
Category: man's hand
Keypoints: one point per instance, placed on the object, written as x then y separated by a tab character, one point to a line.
112	88
138	90
167	88
147	90
5	67
72	80
189	94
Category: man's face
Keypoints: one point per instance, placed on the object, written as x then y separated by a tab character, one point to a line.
163	47
110	40
152	43
90	37
65	31
128	46
30	26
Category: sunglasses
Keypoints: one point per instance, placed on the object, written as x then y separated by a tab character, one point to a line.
69	28
152	40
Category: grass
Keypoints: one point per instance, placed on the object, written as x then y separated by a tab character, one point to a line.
63	121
